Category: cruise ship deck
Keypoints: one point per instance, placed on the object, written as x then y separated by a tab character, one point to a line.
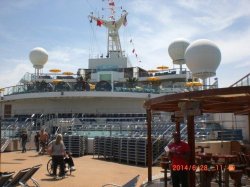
90	172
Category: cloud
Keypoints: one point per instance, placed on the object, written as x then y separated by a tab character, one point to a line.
11	77
10	7
68	59
243	64
234	46
152	25
66	54
217	15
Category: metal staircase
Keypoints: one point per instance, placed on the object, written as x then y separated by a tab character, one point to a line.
157	154
244	81
4	144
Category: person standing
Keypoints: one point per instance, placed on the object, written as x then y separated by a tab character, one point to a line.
37	141
57	151
44	138
24	139
178	153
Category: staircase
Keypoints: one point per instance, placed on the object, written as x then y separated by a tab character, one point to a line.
244	81
159	144
4	144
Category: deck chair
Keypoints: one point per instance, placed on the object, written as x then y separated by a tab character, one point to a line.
131	183
15	180
4	178
23	181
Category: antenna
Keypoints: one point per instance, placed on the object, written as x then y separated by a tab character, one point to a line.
113	26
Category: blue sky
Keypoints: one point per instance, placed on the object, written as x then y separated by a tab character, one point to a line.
63	29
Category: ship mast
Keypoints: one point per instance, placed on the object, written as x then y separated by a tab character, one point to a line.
113	26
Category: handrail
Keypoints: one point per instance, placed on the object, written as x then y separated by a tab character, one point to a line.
181	131
4	146
156	159
7	136
162	134
8	130
57	130
246	76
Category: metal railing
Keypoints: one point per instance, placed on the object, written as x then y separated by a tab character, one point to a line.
244	81
168	141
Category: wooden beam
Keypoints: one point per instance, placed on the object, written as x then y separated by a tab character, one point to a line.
249	126
212	93
242	112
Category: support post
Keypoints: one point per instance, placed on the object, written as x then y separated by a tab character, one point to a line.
190	109
248	126
177	126
149	144
0	139
191	143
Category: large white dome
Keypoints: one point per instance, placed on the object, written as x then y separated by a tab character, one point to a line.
38	57
176	50
203	58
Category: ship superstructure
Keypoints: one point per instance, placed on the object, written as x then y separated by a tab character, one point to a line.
110	84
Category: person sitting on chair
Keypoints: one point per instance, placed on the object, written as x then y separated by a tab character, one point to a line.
69	160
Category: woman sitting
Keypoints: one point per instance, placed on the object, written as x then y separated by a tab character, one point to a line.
69	160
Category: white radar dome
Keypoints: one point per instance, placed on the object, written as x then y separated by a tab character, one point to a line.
176	50
203	58
38	57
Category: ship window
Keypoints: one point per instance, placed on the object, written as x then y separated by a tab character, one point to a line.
105	77
7	111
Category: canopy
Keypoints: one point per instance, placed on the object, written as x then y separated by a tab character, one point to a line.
153	79
193	84
162	67
222	100
55	81
67	73
55	70
153	71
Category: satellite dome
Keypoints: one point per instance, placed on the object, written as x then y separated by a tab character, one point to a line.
176	50
203	58
38	57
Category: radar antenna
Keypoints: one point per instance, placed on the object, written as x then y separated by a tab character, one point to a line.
114	44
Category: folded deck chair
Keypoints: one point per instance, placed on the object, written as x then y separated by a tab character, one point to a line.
4	178
131	183
15	181
29	175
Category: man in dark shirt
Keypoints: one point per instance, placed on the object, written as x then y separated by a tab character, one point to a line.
24	139
37	141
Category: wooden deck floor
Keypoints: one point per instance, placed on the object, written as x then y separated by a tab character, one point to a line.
91	172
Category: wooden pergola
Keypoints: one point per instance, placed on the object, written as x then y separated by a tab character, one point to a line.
189	104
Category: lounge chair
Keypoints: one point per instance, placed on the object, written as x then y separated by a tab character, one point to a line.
131	183
29	175
4	178
15	181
